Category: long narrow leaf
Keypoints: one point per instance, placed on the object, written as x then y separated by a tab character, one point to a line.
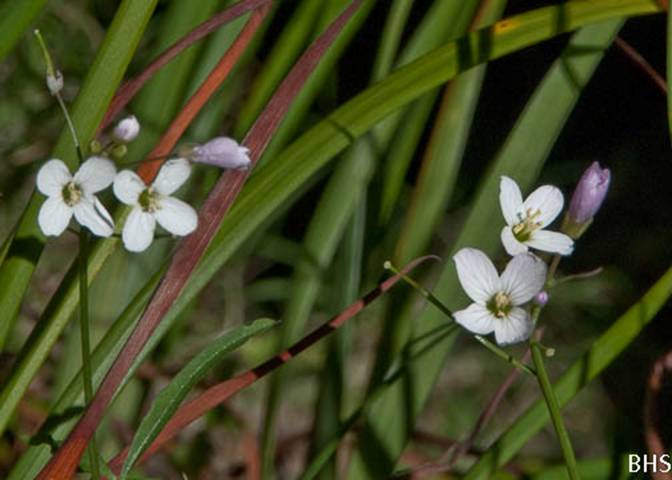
221	392
169	399
186	258
15	17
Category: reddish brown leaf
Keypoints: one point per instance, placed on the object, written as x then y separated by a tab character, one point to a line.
171	136
221	392
131	87
64	463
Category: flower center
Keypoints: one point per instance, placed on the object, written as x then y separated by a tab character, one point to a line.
149	200
528	224
71	193
500	305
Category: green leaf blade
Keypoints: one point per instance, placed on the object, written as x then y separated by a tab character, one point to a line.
169	399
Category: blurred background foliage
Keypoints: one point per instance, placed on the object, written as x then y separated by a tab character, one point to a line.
619	120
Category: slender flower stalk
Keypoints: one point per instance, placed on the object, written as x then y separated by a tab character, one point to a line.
54	81
554	410
70	195
84	323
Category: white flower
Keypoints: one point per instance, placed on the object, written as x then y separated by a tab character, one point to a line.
497	300
525	221
154	204
127	129
222	152
70	195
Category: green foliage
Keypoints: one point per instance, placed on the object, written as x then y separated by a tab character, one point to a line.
169	399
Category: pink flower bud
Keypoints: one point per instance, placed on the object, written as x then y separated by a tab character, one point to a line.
589	194
222	152
541	298
126	130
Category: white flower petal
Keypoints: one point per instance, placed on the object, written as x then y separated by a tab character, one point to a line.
138	230
523	278
476	318
553	242
52	177
90	217
511	243
176	216
510	200
477	274
128	186
548	200
172	175
515	327
96	174
54	216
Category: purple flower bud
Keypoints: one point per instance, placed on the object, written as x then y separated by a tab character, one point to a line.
541	298
589	194
126	130
222	152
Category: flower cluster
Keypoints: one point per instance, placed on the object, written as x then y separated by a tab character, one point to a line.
75	195
498	300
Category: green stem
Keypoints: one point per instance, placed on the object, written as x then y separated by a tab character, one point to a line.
554	410
85	335
446	311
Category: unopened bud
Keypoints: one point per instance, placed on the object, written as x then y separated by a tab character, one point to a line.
55	82
119	151
587	199
222	152
126	130
95	147
541	298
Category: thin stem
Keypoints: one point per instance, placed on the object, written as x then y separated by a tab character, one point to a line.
554	410
71	127
85	335
446	311
52	72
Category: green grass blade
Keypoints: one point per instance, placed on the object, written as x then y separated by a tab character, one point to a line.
333	389
160	99
330	219
286	51
169	399
103	79
391	37
301	104
444	152
602	352
15	18
522	157
103	355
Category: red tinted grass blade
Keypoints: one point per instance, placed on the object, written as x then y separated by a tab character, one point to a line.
187	256
64	463
131	87
219	393
171	136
